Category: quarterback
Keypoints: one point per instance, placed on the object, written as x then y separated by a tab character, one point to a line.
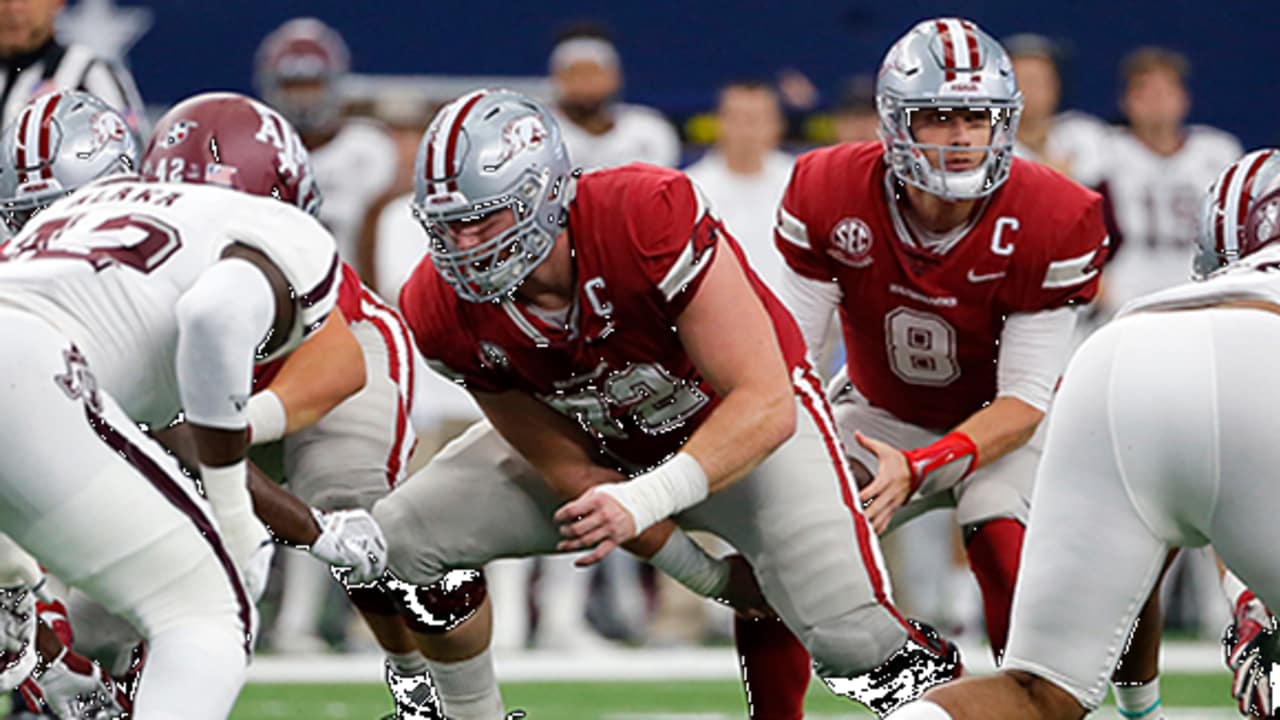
1161	431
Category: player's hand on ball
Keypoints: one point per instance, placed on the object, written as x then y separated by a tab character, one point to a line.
352	542
1248	645
891	486
742	592
594	520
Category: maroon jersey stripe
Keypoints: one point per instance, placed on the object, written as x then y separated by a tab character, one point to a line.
317	293
177	497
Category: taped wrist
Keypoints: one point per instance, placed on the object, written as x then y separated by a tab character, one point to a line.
943	464
688	564
266	416
227	490
673	486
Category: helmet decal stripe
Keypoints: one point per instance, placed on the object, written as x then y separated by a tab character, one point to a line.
450	160
975	60
24	128
948	49
45	139
1245	194
1219	221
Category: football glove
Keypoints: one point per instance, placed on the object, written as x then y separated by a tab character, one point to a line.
1248	646
352	542
75	688
17	635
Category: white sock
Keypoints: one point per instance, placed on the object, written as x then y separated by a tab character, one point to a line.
410	663
1139	702
919	710
468	689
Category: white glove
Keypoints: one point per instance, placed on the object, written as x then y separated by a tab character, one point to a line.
84	692
17	635
258	570
352	542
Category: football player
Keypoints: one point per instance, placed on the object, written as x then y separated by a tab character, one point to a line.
137	299
1161	430
298	71
626	358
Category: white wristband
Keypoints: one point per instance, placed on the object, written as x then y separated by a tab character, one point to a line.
228	492
675	485
1234	588
267	418
688	564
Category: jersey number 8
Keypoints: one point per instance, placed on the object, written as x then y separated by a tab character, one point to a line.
922	347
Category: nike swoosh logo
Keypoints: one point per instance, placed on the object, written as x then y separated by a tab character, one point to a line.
975	278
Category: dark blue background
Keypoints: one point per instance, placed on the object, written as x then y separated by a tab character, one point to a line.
676	52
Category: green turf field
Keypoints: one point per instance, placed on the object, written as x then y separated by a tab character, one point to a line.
1203	697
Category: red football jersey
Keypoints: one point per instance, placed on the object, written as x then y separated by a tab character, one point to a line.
921	329
642	238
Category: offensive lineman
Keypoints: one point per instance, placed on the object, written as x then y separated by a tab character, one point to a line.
137	299
586	315
1161	432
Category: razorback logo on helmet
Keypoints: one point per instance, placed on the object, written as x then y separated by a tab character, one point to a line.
180	131
520	134
107	127
276	132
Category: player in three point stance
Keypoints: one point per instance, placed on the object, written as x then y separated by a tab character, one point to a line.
137	298
610	329
1162	437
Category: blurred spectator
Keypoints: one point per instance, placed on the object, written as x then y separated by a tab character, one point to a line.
599	130
1158	168
1070	142
299	71
745	173
854	116
35	62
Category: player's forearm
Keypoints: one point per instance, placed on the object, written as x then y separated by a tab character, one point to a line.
1000	428
324	371
748	425
288	518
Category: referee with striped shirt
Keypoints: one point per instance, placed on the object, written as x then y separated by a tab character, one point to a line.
33	62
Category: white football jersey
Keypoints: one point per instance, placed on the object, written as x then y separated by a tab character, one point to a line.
747	205
352	170
639	134
108	264
1256	277
1156	204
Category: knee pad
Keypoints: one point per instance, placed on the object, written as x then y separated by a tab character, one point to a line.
438	608
855	642
924	659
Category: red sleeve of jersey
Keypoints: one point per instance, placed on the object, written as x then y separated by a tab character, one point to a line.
438	331
674	235
1066	269
349	294
791	229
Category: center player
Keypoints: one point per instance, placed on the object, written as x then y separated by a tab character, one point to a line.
609	328
1163	436
955	268
135	300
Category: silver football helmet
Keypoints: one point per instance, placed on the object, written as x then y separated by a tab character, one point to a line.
59	142
491	151
1230	227
948	63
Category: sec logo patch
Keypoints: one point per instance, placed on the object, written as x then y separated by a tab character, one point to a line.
851	243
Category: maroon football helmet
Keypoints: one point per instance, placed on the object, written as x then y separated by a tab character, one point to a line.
231	140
